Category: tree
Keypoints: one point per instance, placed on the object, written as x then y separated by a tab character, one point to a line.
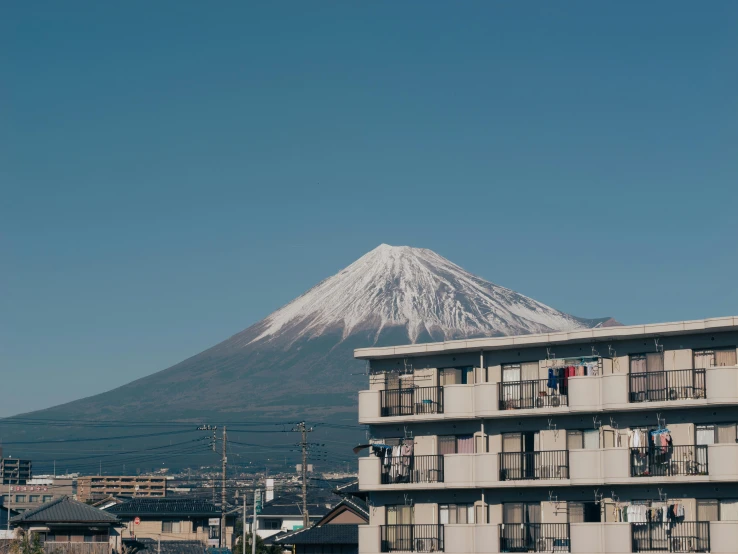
26	543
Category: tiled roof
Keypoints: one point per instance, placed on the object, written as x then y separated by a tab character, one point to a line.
150	546
326	534
164	507
65	510
357	504
289	506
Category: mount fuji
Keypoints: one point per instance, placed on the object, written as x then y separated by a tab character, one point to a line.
298	362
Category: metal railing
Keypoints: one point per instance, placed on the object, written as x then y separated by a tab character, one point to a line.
685	536
551	464
412	469
660	386
539	393
412	401
650	461
411	538
534	537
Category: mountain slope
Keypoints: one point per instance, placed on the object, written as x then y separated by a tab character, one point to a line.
298	362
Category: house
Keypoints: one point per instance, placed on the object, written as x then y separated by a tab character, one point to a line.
610	439
173	519
67	526
285	514
335	533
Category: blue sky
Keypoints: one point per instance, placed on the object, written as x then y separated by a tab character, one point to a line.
172	172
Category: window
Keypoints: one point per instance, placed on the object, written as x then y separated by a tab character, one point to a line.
271	524
171	527
20	497
526	371
521	512
714	357
457	376
641	363
583	512
47	498
455	513
456	444
719	433
214	532
400	515
34	498
588	439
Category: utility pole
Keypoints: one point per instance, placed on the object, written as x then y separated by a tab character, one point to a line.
303	429
224	461
253	524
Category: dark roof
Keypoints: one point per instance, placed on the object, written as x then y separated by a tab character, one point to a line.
288	506
164	507
325	534
351	489
150	546
65	510
355	504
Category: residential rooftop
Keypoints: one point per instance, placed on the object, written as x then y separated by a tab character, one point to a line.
597	334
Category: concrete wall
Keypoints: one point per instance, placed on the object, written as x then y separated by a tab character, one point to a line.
723	537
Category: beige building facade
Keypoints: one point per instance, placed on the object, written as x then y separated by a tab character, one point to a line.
134	486
619	439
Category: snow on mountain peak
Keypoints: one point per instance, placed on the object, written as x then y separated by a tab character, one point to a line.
418	289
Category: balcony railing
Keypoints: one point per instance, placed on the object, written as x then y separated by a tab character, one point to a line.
551	464
660	386
539	393
412	401
534	537
412	469
657	461
412	538
686	536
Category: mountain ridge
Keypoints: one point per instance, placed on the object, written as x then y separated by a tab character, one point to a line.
297	363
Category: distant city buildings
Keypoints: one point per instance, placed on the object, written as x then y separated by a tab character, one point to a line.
99	487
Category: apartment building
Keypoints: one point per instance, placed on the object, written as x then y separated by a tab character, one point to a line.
607	440
99	487
15	471
37	491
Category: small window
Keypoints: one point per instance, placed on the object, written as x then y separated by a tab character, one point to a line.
47	498
583	512
714	358
271	524
34	498
588	439
451	514
642	363
456	444
20	497
173	527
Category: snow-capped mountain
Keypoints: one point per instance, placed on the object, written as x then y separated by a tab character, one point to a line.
415	288
298	362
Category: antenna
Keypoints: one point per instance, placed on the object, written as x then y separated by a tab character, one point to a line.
596	422
598	496
408	434
552	427
595	352
611	352
549	355
408	500
663	496
659	347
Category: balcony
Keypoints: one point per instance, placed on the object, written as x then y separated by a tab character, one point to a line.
662	386
686	536
545	465
413	469
538	393
534	537
675	460
411	401
411	538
